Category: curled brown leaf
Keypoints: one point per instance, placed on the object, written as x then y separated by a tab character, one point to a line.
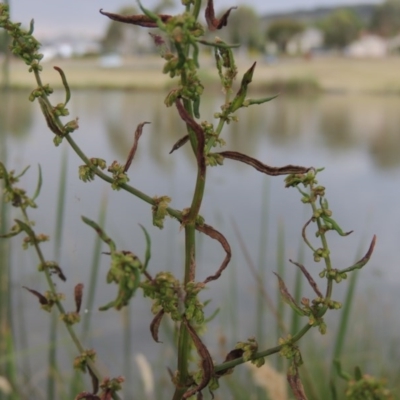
259	166
287	297
95	380
207	364
60	273
214	234
87	396
179	143
232	355
309	278
215	23
360	263
140	20
42	300
138	133
295	384
155	325
198	130
78	293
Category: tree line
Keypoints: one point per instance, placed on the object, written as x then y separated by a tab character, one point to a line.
339	28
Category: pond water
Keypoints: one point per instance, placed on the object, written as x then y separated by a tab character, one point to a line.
356	138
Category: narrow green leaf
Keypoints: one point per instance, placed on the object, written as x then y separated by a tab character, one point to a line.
39	184
103	236
147	255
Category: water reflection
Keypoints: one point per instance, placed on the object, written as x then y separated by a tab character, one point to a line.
335	123
16	113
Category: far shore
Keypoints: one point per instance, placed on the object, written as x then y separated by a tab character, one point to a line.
321	74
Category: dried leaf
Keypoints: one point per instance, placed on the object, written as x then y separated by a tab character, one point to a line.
287	297
212	22
179	143
210	231
141	20
87	396
232	355
155	325
95	380
59	273
309	278
50	118
360	263
207	364
42	300
78	292
259	166
295	383
138	133
198	130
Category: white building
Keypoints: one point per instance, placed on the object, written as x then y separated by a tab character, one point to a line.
368	46
305	42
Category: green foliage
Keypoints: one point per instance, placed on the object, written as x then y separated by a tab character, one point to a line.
282	30
386	18
340	28
245	28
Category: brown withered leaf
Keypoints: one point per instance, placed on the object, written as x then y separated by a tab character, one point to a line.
198	130
295	384
60	273
215	23
140	20
42	300
95	381
155	325
259	166
87	396
214	234
310	279
232	355
138	133
207	364
78	293
179	143
287	297
365	259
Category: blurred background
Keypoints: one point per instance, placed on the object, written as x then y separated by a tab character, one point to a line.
335	66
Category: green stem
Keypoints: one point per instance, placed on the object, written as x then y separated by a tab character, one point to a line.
273	350
61	308
172	212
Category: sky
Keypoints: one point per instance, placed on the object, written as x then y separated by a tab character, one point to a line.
58	17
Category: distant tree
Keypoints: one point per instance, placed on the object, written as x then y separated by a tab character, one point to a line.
244	27
386	19
282	30
3	41
340	28
117	33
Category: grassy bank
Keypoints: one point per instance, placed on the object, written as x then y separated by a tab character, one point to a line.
324	74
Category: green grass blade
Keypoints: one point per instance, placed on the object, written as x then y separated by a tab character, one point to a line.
347	304
280	258
58	229
94	270
262	260
298	287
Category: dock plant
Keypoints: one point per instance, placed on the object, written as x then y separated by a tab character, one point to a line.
180	40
